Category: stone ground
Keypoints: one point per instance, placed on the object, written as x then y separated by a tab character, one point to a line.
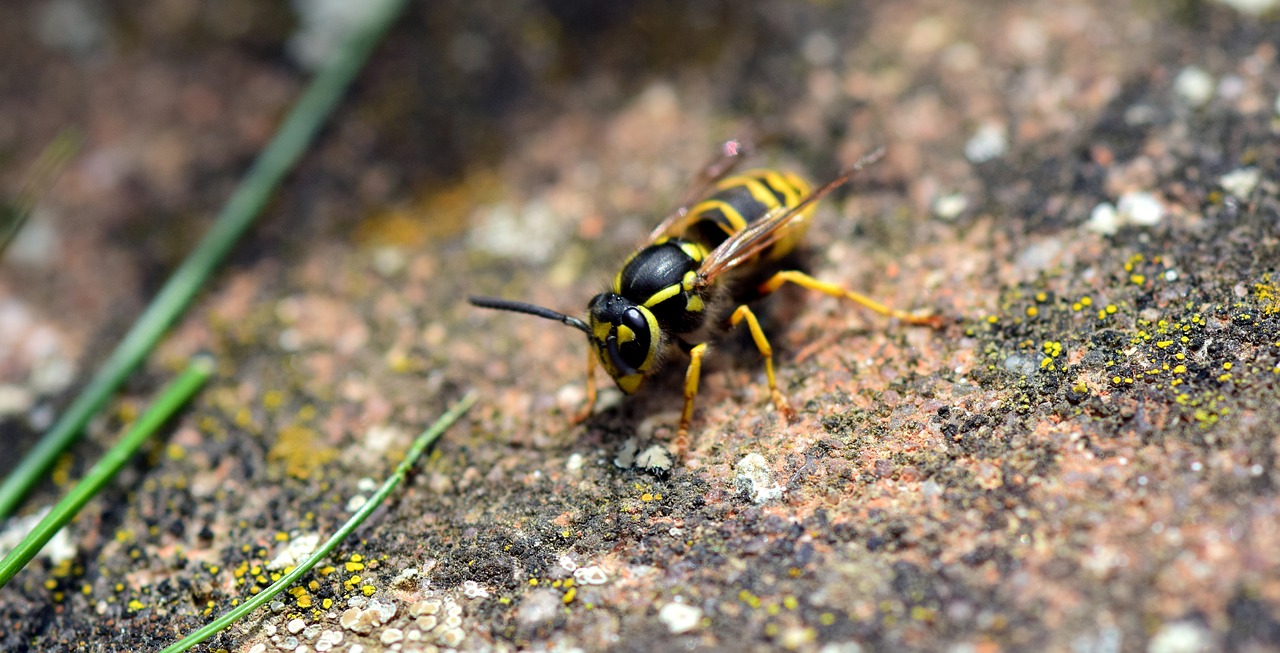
1083	459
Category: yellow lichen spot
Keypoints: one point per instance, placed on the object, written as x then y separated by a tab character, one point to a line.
571	594
1226	366
327	569
1077	306
646	497
86	589
533	582
301	450
826	618
175	451
1224	377
50	584
1032	311
1111	309
1163	343
921	613
273	399
789	602
772	609
991	319
1138	279
368	590
326	603
136	605
304	601
1086	301
354	566
1180	356
1115	379
1179	369
282	536
356	557
1041	297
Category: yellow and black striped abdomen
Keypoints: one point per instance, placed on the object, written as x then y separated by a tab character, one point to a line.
743	199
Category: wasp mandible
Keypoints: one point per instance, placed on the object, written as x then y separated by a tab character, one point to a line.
725	245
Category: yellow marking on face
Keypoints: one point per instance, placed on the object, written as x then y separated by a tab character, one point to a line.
655	335
629	384
600	330
663	295
625	334
694	304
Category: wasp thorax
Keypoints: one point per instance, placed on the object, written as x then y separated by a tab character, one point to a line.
625	337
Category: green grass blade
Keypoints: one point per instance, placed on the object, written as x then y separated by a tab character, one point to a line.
171	399
420	445
290	141
43	173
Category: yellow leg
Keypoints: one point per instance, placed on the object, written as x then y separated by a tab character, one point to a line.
802	279
591	389
691	377
766	350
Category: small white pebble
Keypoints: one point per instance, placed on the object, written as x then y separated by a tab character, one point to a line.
755	479
574	463
474	590
654	459
950	206
391	636
1104	219
366	484
592	575
680	618
356	502
1171	275
296	626
260	647
1181	637
989	142
1194	86
1240	182
1140	208
567	563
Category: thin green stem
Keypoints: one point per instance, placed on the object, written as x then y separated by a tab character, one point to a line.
280	155
171	399
420	445
43	173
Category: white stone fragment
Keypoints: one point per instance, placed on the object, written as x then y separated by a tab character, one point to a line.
1181	637
1240	182
592	575
1194	86
474	590
755	479
1140	208
949	207
989	142
295	626
680	618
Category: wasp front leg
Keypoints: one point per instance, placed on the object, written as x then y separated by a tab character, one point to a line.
801	279
583	414
691	376
766	350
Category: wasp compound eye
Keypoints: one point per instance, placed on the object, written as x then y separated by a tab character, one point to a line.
635	320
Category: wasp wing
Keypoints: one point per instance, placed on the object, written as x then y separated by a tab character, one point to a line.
771	228
731	153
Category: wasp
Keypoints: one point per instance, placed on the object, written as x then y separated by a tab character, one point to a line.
726	244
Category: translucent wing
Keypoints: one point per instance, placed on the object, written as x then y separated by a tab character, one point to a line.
771	228
731	153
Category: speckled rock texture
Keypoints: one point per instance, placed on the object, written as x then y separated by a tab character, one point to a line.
1083	458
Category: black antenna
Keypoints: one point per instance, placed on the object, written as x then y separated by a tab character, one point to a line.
521	307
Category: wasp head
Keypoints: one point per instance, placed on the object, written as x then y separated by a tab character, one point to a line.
626	338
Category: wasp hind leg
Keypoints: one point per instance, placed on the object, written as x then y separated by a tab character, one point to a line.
801	279
766	350
583	414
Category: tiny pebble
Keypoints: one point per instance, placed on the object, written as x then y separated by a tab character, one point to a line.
391	636
680	618
296	626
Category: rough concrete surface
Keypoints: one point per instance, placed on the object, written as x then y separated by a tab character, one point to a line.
1083	458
